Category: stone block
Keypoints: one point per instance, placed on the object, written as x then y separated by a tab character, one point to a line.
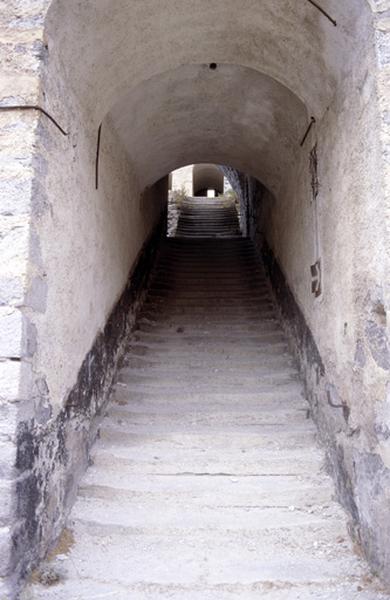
11	331
7	460
6	501
14	243
11	289
5	550
5	593
8	420
15	198
9	380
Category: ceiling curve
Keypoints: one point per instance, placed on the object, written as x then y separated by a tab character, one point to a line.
231	115
207	177
107	47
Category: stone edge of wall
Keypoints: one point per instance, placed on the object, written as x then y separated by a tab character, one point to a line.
51	458
361	478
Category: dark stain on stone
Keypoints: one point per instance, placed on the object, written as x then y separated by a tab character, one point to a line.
345	484
26	448
335	402
360	356
382	431
313	168
378	343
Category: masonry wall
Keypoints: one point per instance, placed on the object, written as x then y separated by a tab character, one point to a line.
19	82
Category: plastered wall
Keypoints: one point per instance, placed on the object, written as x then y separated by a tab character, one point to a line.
347	382
351	230
88	241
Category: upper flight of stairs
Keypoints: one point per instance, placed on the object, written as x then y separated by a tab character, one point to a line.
207	217
207	482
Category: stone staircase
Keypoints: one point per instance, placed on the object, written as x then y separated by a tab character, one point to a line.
207	217
207	482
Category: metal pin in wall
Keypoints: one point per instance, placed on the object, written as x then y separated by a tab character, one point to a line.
9	107
97	157
312	121
323	11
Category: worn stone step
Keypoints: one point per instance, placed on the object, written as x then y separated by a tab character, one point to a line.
196	430
141	349
170	520
164	465
309	494
190	377
222	321
132	557
207	330
251	374
175	414
201	362
263	406
169	385
162	457
196	284
263	308
281	396
274	335
348	589
271	345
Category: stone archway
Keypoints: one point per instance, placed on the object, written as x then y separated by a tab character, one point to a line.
207	177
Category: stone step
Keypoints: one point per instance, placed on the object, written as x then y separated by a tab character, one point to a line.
312	495
198	557
168	387
260	522
235	404
201	330
280	395
199	361
182	339
217	321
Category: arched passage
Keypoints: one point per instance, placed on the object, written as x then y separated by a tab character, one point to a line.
207	177
145	83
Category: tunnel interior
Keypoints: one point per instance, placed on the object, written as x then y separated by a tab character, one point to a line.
207	177
290	107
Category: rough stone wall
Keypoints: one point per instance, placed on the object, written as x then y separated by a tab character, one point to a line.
21	50
173	215
182	179
239	183
381	9
251	194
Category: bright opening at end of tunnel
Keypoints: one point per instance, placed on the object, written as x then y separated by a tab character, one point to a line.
210	184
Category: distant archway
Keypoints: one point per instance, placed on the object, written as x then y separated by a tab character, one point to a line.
207	177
